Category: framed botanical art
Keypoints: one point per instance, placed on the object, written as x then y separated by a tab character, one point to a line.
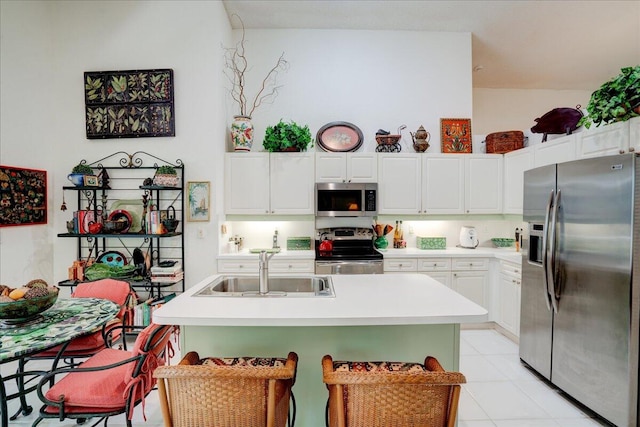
23	196
455	135
199	199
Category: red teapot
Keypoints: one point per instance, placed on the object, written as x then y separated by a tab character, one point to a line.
95	227
326	246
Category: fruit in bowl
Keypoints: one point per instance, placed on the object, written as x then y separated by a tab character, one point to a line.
26	302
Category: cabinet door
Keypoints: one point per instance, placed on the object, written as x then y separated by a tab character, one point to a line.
555	151
246	185
472	285
483	184
634	135
292	183
362	167
443	184
331	167
443	277
509	297
603	140
399	184
400	265
291	266
515	163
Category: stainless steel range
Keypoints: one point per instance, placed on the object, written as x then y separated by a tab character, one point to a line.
347	250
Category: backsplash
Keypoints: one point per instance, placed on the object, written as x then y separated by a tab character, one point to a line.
259	234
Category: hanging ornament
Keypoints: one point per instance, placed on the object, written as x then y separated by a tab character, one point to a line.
64	204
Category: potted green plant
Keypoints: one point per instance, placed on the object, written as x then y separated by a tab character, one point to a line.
166	176
78	173
287	137
617	100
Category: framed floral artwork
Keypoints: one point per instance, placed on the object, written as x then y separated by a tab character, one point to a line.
455	135
23	196
199	199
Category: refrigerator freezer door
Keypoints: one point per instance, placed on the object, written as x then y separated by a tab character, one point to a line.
536	319
591	336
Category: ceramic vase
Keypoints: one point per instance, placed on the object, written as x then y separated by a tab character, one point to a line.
242	133
381	243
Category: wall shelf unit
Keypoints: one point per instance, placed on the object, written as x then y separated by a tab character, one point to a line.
125	190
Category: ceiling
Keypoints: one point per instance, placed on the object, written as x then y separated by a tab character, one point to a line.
519	44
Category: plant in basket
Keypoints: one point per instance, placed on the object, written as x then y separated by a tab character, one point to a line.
166	176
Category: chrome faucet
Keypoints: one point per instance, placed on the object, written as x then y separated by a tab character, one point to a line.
264	272
275	240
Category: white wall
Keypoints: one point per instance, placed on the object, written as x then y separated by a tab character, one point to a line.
374	79
46	47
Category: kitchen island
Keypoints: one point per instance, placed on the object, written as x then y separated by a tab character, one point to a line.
400	317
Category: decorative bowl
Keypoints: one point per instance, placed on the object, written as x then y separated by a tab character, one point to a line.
503	242
112	226
24	309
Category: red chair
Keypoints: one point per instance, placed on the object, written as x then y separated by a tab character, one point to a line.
119	292
111	382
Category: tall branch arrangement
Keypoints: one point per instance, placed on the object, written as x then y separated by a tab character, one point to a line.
236	65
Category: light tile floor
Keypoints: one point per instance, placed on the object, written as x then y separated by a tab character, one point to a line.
499	392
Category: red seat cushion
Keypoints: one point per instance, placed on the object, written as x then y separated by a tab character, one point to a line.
100	389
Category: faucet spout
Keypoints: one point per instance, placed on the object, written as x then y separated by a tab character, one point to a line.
264	272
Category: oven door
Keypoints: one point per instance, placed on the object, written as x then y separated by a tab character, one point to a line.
349	267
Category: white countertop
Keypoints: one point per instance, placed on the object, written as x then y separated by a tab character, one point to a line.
398	299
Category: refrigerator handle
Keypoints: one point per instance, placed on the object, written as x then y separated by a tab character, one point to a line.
553	250
545	266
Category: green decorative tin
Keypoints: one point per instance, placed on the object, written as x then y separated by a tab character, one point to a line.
431	242
298	243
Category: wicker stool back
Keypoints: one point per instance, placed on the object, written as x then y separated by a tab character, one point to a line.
427	397
193	394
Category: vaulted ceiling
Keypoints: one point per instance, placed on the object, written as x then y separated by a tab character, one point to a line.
518	44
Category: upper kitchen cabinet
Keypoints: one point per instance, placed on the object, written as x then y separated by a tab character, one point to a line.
557	150
604	140
439	184
443	184
634	135
269	183
483	183
515	164
399	184
346	167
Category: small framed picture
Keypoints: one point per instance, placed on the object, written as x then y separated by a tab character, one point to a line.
455	135
199	200
90	181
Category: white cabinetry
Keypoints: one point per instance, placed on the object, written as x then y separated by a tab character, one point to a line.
399	184
483	184
400	265
557	150
269	183
436	268
412	184
346	167
470	278
443	184
515	164
508	315
604	140
282	266
634	135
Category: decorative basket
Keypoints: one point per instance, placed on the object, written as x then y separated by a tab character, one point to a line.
503	242
503	142
431	242
163	180
387	139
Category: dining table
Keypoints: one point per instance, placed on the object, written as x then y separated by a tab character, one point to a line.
67	319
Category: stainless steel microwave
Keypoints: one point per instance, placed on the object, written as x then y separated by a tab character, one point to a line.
346	199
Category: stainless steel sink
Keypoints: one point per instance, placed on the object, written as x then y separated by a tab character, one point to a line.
248	286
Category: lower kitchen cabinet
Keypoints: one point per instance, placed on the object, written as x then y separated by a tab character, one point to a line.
400	265
276	266
470	277
509	286
436	268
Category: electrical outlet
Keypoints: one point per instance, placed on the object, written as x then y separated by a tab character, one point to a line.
200	233
411	229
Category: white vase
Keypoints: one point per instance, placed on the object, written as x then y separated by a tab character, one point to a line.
242	133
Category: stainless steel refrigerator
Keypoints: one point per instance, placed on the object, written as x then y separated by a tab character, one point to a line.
580	308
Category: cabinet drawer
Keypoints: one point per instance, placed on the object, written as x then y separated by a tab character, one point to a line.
292	266
511	269
470	264
239	266
434	264
401	264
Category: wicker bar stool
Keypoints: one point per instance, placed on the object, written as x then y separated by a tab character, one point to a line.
227	392
390	394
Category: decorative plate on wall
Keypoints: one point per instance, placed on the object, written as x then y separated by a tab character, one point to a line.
339	137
